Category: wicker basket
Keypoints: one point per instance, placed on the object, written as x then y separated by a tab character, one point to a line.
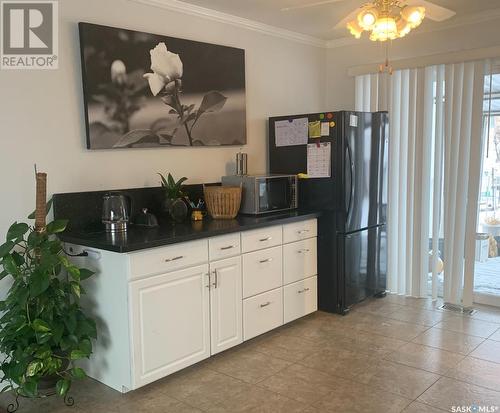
223	202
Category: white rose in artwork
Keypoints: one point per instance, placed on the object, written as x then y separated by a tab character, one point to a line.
166	67
118	72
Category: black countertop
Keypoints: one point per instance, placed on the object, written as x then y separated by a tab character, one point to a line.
139	238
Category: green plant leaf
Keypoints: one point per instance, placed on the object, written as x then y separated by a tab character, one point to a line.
75	287
74	272
59	225
18	258
39	282
57	333
34	367
78	373
47	208
44	337
40	326
6	248
10	266
86	346
70	322
62	387
29	388
85	273
17	231
163	180
77	355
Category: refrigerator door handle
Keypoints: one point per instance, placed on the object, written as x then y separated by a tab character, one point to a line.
349	155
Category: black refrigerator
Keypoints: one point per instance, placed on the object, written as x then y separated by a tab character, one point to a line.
352	238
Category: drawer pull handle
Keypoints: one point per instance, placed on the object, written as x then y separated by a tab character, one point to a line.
215	284
303	251
303	291
174	259
227	248
266	260
302	231
265	239
265	304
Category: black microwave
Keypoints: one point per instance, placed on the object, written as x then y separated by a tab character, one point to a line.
262	194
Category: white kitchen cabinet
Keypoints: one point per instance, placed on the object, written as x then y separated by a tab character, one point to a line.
300	299
226	328
162	309
262	313
299	260
170	323
262	271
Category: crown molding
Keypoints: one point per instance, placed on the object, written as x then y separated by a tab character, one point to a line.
198	11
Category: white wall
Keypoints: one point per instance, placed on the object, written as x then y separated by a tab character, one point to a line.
41	112
341	87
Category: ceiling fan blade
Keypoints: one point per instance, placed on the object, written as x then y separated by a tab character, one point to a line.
305	6
432	10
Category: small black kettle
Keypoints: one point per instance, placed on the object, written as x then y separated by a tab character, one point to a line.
146	219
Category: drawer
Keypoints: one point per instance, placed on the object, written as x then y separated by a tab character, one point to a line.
299	260
165	259
258	239
262	313
300	230
262	271
224	246
300	298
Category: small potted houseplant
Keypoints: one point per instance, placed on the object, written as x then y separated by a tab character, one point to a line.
174	197
43	329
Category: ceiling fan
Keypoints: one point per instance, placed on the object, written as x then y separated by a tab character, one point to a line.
385	19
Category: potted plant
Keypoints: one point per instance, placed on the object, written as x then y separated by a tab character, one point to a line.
43	329
174	203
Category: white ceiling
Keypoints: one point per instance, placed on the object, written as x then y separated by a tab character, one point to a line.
318	21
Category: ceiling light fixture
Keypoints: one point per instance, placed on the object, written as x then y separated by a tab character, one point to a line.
386	20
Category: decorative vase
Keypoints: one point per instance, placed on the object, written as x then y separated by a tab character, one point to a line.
176	209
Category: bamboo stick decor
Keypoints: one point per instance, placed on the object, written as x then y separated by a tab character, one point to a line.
41	202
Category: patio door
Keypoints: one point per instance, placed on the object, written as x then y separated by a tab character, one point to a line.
487	244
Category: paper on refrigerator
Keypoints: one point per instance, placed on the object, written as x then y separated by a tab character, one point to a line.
319	160
291	132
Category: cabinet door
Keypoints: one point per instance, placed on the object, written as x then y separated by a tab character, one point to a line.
170	323
226	304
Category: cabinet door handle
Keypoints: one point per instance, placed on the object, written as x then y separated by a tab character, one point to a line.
216	279
266	260
265	239
209	280
174	259
227	248
303	251
302	231
303	291
265	304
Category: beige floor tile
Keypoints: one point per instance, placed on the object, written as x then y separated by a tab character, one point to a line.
340	362
356	397
379	307
479	372
447	392
301	383
448	340
257	400
285	346
488	350
201	387
470	326
417	407
405	381
495	336
363	341
246	364
425	358
153	403
487	313
421	316
426	303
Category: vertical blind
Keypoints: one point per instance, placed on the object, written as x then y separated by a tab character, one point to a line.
434	169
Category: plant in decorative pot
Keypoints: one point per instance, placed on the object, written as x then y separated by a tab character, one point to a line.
174	197
43	329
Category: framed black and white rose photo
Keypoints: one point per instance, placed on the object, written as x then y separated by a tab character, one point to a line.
148	90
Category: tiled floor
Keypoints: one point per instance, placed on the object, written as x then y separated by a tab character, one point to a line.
389	355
